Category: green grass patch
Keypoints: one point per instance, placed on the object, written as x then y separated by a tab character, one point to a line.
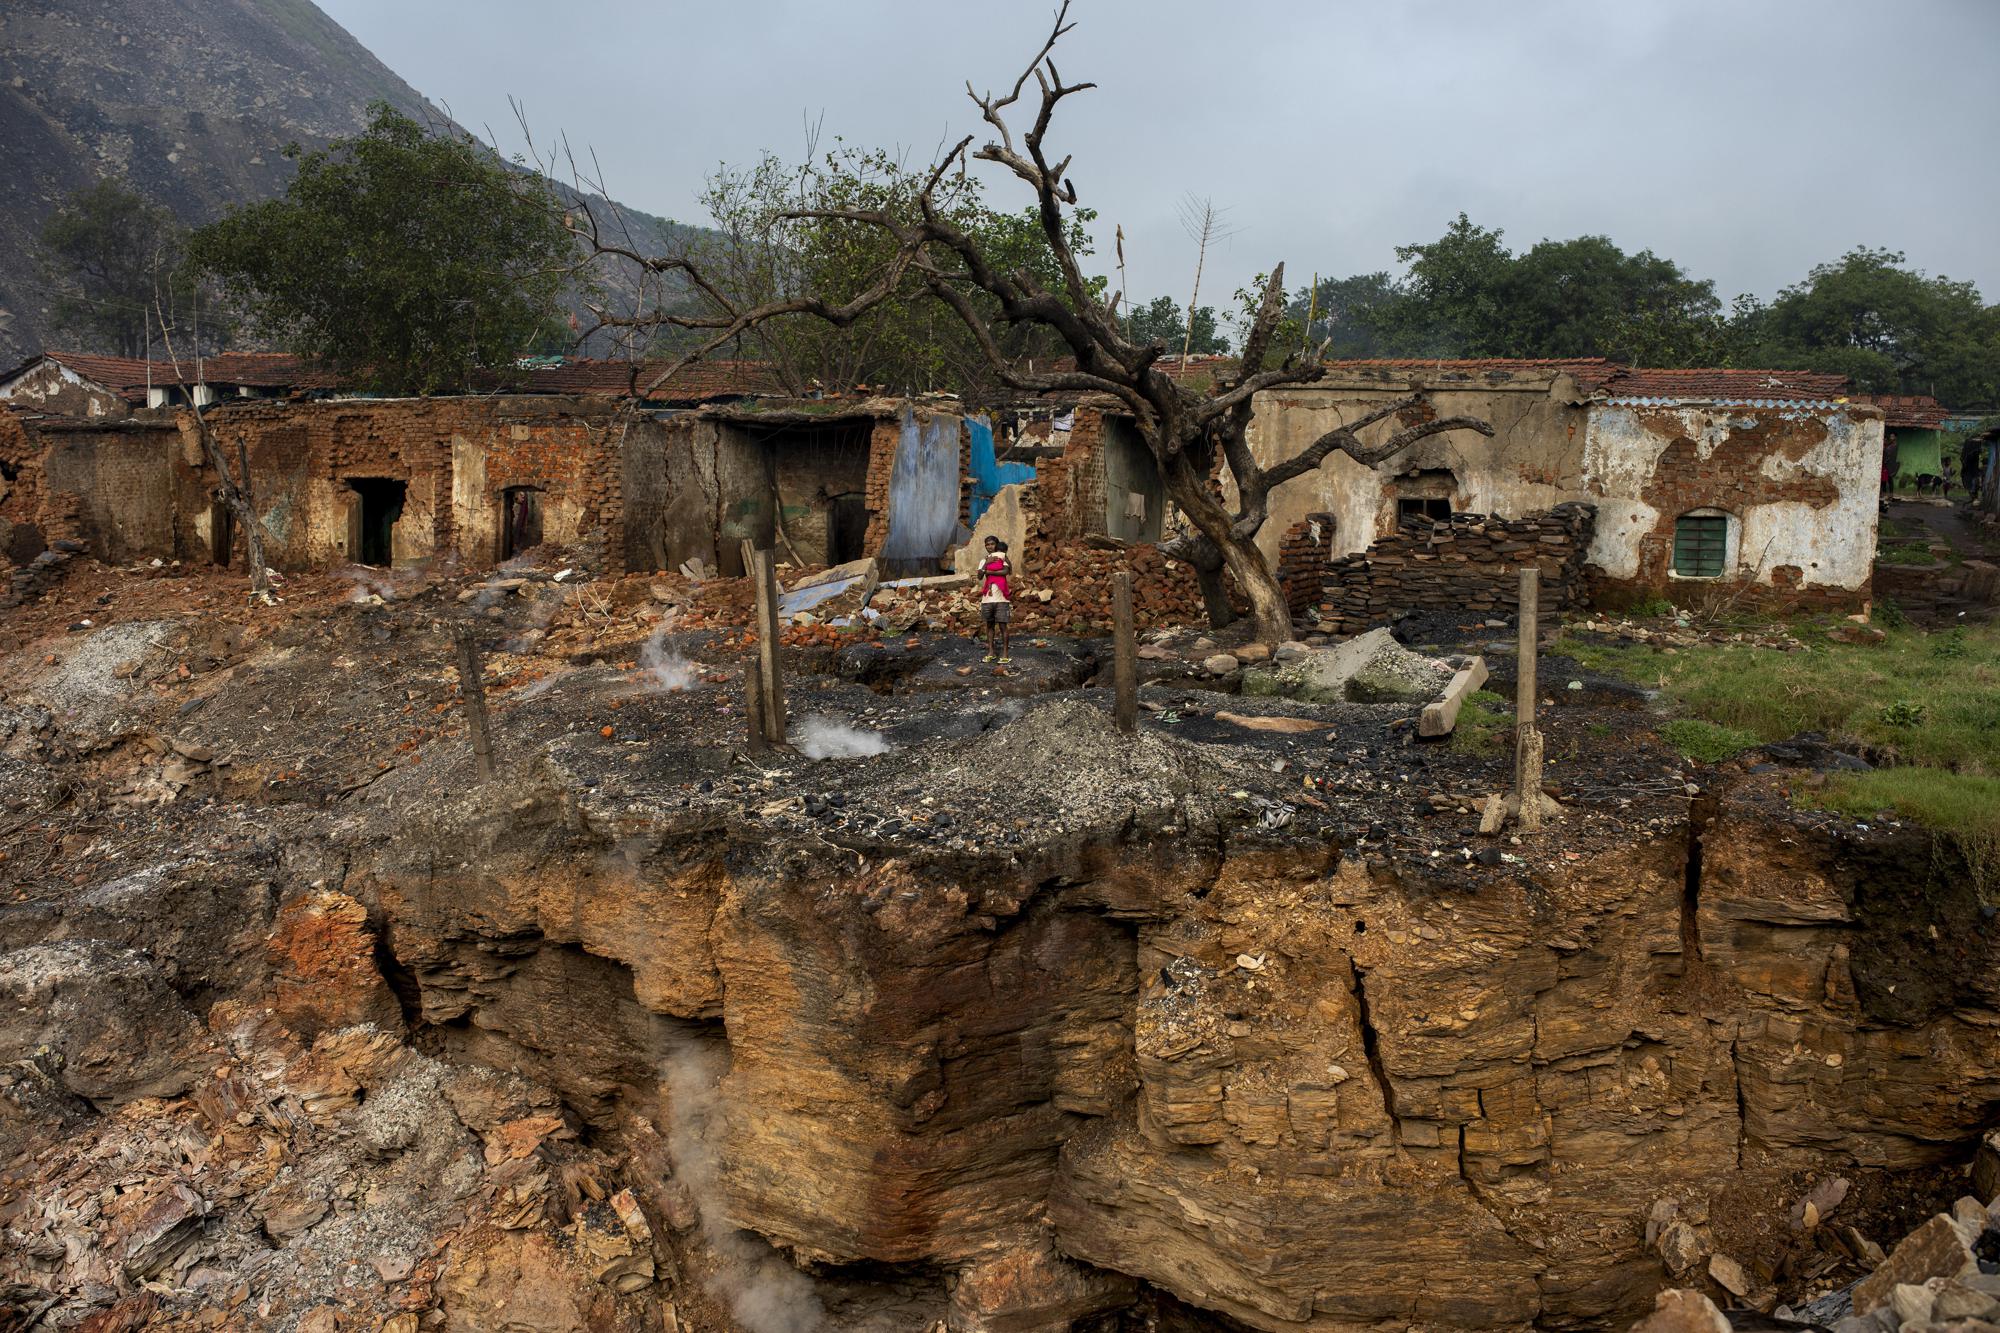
1706	741
1924	699
1905	553
1485	722
1961	807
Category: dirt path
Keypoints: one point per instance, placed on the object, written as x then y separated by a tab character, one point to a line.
1950	524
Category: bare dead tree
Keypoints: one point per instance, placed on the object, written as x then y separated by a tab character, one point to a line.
232	486
1192	433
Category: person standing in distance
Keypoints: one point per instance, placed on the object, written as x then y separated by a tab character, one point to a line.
996	598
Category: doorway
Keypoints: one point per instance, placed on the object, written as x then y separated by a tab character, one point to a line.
380	505
846	527
221	532
520	520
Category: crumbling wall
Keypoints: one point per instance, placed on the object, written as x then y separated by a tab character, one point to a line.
1470	565
818	471
1304	555
1531	463
1798	483
110	487
1938	591
715	495
20	489
454	456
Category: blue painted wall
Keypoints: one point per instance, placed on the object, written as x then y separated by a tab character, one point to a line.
988	473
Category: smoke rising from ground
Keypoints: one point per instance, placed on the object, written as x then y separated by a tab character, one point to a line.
823	738
665	668
763	1291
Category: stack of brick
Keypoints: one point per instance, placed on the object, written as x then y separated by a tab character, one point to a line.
1078	579
1469	565
1304	553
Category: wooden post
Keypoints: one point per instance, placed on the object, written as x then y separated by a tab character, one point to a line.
753	705
764	577
472	688
1124	655
1527	740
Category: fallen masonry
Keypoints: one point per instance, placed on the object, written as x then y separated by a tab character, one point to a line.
964	1010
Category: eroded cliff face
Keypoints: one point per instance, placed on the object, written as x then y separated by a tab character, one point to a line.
1021	1026
1289	1082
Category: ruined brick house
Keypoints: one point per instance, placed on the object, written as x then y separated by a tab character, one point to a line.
591	454
1759	481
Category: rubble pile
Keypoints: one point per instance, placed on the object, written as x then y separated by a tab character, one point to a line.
1943	1277
1076	577
1468	564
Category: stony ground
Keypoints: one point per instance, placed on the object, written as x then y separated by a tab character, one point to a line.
288	1137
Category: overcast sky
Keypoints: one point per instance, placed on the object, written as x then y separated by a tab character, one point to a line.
1746	139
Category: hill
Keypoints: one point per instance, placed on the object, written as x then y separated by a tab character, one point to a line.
191	102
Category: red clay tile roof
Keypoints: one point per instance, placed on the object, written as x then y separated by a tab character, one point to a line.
1912	411
129	376
1728	385
703	381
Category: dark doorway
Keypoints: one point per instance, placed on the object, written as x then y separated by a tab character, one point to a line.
381	504
221	533
1429	508
520	520
846	528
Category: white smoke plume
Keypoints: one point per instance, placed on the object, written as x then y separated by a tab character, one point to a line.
823	738
763	1291
367	584
665	668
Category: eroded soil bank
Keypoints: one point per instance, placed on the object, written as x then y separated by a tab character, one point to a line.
1016	1025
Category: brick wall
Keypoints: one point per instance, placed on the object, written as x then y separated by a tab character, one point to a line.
1304	554
454	455
1469	565
883	441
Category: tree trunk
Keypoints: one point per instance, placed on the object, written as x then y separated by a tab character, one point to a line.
1214	593
237	497
1270	616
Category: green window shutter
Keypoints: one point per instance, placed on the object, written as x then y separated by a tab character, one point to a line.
1701	546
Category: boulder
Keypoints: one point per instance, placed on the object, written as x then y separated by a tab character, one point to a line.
1682	1312
1369	668
1221	664
1935	1249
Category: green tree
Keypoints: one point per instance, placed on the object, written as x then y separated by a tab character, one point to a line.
778	235
114	258
1467	294
1892	328
1162	320
400	258
1348	315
